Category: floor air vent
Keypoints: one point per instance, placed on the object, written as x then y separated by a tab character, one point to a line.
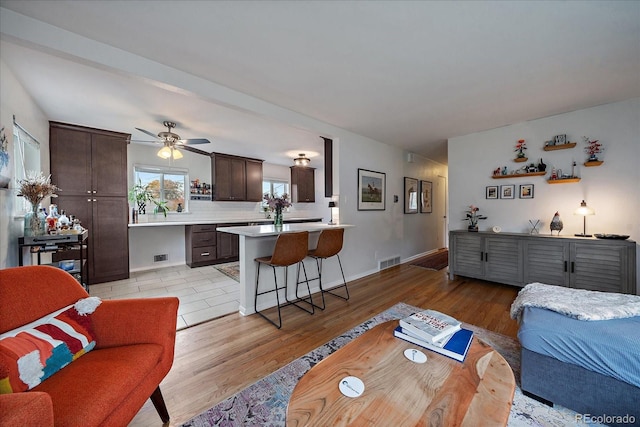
389	262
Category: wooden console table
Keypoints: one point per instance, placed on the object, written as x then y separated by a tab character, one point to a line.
397	391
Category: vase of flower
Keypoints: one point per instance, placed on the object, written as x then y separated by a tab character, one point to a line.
277	205
277	218
33	222
35	187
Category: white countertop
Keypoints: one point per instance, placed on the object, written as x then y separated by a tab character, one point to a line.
270	230
188	221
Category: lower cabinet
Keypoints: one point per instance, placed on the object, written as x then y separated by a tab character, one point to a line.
228	245
486	257
518	259
200	244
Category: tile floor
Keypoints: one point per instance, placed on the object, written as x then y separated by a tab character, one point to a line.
204	292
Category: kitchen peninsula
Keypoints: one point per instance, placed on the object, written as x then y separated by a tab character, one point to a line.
258	241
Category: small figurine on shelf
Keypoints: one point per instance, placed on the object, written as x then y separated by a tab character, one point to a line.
520	147
556	224
593	148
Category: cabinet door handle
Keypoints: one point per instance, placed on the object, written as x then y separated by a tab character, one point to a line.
565	266
88	191
88	200
481	255
573	267
486	257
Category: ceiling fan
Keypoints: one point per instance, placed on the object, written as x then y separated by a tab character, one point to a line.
172	141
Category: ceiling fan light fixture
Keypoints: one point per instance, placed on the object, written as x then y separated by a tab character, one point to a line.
176	154
165	152
301	160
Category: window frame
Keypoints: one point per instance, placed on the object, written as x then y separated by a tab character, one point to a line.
163	170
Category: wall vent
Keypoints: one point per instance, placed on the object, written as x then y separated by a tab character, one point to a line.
158	258
389	262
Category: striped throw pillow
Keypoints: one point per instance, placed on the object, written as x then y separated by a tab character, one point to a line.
32	353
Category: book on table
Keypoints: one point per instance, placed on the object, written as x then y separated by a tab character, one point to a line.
456	347
430	325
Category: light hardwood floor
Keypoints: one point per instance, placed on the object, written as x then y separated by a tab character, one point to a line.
218	358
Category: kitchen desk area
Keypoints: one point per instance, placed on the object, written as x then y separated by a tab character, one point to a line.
258	241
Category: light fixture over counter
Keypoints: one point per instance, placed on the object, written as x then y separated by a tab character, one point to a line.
301	160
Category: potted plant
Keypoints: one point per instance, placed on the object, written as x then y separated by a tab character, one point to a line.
473	217
520	147
140	195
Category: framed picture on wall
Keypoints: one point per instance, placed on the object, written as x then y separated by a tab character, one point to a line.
426	197
410	195
506	191
491	192
526	191
371	190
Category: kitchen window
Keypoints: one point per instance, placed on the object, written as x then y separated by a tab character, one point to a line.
275	187
166	184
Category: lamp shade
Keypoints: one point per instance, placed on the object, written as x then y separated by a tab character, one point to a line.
176	154
165	152
584	210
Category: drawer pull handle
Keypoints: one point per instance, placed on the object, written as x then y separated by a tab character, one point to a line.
204	254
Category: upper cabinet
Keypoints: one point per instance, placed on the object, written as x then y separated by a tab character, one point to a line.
235	178
88	161
303	189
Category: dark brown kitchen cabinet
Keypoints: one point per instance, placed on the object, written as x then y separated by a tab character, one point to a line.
235	178
303	188
228	245
200	244
90	168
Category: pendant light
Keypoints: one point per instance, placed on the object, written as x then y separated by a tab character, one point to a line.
301	160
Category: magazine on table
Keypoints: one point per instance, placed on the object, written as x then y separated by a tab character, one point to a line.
456	347
430	325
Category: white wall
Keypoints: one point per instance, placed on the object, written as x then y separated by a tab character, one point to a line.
611	189
15	101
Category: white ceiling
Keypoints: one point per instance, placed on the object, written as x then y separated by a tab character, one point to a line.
406	73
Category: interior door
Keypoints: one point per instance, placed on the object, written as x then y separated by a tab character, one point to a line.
440	209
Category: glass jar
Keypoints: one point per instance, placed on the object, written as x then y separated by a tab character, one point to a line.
277	218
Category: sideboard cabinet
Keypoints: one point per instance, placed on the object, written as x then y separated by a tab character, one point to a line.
518	259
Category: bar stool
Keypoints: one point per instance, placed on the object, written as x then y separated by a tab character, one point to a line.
329	244
290	248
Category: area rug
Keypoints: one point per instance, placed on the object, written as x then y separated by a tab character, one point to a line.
434	261
264	403
231	269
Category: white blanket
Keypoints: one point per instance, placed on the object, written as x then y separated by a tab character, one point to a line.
577	303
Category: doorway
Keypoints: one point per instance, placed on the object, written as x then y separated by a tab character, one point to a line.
440	209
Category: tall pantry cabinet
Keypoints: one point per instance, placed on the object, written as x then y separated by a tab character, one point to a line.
90	168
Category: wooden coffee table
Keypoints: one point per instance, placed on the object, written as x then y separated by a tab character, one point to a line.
398	392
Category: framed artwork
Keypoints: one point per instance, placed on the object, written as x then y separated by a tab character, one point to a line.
506	191
491	192
526	191
426	197
410	195
371	190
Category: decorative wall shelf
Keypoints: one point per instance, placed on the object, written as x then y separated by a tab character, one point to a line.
519	175
560	146
520	159
563	181
593	163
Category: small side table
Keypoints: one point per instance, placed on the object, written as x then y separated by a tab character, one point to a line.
59	243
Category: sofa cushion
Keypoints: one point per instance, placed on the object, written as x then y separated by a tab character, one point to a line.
87	391
34	352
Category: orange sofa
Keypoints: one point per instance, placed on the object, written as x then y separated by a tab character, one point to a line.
107	386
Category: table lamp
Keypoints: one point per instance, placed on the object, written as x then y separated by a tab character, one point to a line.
584	210
331	206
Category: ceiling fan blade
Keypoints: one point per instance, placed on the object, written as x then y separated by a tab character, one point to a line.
146	140
148	133
194	141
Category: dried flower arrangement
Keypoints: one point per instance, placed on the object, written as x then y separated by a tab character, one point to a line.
35	187
592	148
